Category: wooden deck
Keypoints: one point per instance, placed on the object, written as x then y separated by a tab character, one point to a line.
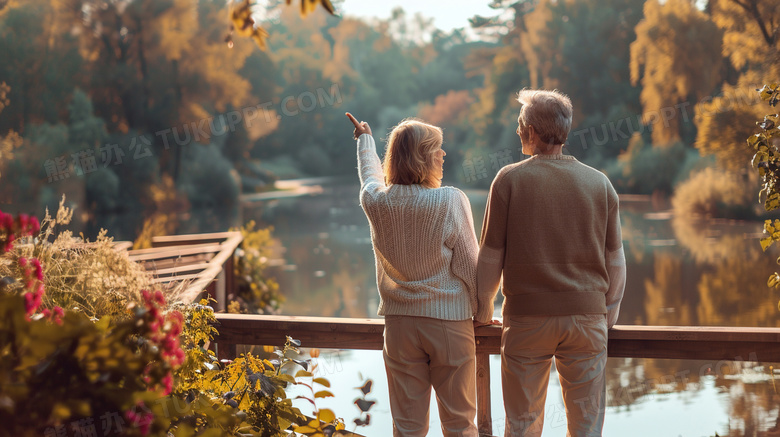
197	262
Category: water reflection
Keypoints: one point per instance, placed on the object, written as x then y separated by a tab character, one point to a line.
680	272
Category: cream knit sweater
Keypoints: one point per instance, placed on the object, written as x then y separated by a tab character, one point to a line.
424	244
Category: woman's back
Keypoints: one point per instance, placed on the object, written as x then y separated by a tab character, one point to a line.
424	244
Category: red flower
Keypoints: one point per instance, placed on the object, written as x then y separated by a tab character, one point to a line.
57	315
38	269
35	226
142	419
167	382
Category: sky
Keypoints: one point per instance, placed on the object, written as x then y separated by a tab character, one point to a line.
447	14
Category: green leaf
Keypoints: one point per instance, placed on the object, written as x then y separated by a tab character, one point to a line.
323	394
302	373
766	242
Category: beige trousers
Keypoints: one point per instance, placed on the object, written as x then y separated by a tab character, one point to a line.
421	352
579	345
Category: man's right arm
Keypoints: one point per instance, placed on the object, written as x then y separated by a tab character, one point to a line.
616	264
492	245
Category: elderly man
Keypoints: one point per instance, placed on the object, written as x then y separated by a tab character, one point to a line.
552	229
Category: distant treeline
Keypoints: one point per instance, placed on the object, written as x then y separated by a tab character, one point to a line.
142	104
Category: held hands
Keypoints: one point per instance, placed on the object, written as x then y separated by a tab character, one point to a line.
490	323
360	127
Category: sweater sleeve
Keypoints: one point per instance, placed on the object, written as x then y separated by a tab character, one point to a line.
372	178
616	264
491	252
464	246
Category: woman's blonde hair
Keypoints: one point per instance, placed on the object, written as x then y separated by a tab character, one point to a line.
409	158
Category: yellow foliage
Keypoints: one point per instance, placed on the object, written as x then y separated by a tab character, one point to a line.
725	121
537	46
166	204
750	38
676	56
712	193
175	39
447	109
4	90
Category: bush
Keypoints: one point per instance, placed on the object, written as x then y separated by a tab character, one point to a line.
88	277
143	370
255	291
644	169
713	193
208	179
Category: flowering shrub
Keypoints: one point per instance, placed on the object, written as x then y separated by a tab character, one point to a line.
10	228
86	276
76	372
141	371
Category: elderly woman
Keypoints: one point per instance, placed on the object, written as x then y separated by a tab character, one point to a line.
552	229
426	258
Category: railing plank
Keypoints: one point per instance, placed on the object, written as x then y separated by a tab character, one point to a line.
322	332
178	240
673	342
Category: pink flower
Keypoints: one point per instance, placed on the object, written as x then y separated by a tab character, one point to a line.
22	262
167	382
38	269
23	220
29	301
35	226
55	315
7	221
142	419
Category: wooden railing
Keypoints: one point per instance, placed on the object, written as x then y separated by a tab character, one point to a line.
673	342
205	262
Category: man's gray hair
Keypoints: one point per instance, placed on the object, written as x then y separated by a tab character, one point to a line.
549	112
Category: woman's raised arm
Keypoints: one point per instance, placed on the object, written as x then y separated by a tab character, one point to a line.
372	178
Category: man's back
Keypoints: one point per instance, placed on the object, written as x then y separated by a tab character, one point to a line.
561	219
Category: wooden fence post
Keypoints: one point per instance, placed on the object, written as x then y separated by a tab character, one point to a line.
484	418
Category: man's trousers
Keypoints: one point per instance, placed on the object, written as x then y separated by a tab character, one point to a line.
579	345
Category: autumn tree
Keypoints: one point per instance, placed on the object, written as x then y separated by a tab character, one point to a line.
751	44
676	58
578	47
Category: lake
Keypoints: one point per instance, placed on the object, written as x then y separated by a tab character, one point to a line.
680	272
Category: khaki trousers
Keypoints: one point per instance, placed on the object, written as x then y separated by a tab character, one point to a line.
579	345
421	352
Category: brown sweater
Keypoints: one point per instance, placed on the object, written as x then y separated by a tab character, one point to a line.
552	228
